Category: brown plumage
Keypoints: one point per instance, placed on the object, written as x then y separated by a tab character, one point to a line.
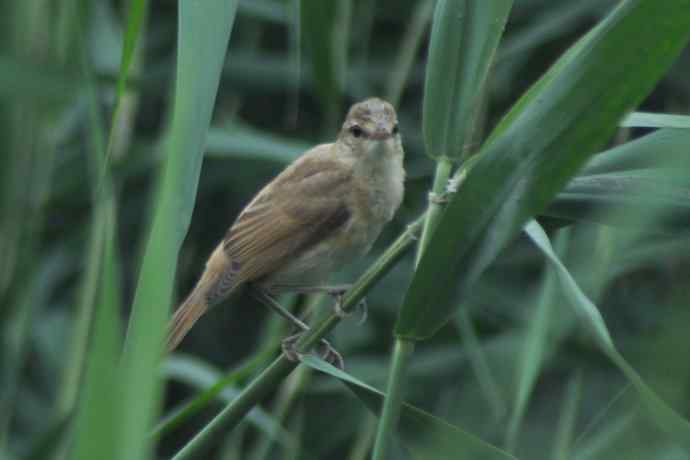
322	211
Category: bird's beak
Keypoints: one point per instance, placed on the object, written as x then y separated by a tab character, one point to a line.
381	133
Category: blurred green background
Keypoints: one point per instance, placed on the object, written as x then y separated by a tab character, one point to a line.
277	97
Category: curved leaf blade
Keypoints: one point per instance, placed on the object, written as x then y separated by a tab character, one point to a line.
660	148
243	142
655	120
620	199
464	38
661	413
449	441
204	31
538	147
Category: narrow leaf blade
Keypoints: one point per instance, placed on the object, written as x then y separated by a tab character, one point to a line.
540	145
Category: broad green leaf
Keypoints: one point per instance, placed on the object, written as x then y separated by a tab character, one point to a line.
97	424
620	198
661	413
448	441
550	133
655	120
97	337
101	270
204	30
320	23
662	148
464	37
243	142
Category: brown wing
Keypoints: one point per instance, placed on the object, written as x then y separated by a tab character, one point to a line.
299	208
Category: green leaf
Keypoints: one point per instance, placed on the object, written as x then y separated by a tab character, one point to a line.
204	30
464	37
243	142
663	415
655	120
662	148
562	448
408	50
540	344
620	198
320	23
480	363
448	441
566	116
97	423
93	369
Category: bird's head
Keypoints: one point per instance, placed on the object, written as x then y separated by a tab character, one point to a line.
371	128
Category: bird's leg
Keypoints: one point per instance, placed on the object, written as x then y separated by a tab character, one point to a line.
265	298
328	353
337	291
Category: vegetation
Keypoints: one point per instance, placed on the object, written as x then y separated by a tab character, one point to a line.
528	301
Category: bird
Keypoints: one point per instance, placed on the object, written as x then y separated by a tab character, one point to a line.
323	211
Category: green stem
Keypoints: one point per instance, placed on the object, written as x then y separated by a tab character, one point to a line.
443	169
365	438
290	390
202	399
404	347
270	378
391	409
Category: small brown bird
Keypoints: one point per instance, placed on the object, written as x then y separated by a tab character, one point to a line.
324	210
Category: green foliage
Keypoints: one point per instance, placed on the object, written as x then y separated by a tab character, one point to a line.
462	44
533	153
132	135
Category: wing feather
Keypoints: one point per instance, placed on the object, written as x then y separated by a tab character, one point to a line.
301	207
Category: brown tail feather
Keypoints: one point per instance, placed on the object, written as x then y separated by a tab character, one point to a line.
184	318
216	283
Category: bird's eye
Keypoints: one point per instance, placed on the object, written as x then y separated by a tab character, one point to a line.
356	131
395	129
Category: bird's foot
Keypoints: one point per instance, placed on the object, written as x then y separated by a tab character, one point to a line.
361	308
325	351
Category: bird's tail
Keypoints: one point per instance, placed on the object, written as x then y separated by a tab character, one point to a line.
215	285
185	316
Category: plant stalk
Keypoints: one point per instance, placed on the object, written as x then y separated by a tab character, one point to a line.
270	378
394	390
436	205
404	347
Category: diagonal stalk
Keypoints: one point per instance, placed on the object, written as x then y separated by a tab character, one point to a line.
269	379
